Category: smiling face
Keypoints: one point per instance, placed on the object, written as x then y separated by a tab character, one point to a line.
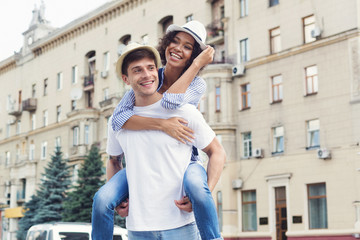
142	76
179	51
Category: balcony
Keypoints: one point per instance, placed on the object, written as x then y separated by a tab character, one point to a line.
215	33
29	104
15	110
110	101
89	83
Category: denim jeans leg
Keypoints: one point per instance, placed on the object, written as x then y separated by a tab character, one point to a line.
197	189
105	200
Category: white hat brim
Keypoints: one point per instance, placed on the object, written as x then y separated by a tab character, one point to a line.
176	28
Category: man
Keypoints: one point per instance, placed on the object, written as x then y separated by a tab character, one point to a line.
156	162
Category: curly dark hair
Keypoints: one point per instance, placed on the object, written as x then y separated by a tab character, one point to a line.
165	42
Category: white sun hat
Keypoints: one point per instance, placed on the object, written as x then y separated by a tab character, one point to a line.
195	28
132	47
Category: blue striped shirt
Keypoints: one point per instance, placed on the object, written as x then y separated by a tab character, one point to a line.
124	110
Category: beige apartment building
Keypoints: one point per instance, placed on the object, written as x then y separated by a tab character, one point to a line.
283	97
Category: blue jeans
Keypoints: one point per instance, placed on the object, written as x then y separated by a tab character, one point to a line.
185	232
116	191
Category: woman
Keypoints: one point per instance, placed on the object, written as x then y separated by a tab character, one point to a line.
184	54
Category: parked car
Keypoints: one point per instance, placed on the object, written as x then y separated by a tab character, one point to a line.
68	231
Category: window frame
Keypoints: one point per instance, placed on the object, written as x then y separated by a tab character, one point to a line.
76	136
59	81
276	142
309	198
314	81
74	74
279	87
244	8
43	150
307	28
245	91
244	203
275	40
217	98
309	134
244	50
246	144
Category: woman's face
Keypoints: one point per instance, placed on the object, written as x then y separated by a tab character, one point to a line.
179	51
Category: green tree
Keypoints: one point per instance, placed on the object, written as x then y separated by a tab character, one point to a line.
78	206
46	204
28	220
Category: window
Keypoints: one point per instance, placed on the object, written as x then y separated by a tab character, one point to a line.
7	158
308	26
275	40
33	91
189	18
58	142
317	206
243	8
74	74
18	126
106	58
17	154
45	87
106	93
86	134
244	51
245	96
249	211
8	130
278	139
32	151
165	23
123	41
273	2
219	208
277	89
313	132
311	75
59	81
73	105
33	121
247	148
22	192
76	136
45	118
43	150
58	113
217	99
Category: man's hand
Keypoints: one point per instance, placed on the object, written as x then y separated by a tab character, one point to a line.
175	127
123	208
184	204
205	57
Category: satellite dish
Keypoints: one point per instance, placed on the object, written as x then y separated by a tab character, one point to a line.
75	93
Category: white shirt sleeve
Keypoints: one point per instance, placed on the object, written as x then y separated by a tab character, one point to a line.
203	133
113	147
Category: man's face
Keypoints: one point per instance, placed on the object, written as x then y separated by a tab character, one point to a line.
142	77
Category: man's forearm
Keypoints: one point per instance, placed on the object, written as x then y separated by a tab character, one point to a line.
113	165
217	157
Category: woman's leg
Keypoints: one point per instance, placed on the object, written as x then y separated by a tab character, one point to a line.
197	189
105	200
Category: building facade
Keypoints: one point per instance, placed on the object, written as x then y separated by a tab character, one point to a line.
283	96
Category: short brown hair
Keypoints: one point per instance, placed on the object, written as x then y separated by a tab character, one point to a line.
135	56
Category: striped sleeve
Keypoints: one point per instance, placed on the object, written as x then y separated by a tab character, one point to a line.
123	111
192	95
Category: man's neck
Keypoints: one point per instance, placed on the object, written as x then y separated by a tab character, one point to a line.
142	101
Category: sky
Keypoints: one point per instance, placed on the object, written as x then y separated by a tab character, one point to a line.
16	15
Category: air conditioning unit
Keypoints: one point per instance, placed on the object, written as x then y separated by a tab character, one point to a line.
323	153
238	70
104	74
237	184
316	32
258	153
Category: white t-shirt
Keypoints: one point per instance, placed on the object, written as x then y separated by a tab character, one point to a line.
155	166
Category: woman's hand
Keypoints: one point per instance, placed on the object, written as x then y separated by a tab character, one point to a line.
184	204
205	57
175	127
123	208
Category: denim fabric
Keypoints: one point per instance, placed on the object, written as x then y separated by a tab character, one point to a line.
197	189
189	232
116	190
